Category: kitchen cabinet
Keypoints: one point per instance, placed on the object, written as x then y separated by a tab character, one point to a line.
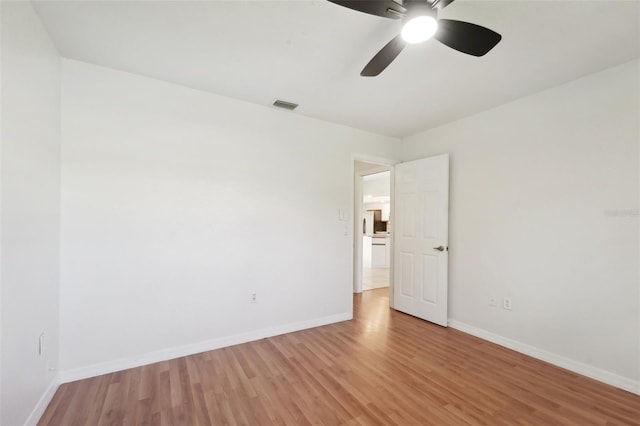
380	252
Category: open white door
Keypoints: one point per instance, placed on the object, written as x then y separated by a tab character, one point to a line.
421	238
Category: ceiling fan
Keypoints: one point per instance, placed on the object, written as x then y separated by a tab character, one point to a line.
420	23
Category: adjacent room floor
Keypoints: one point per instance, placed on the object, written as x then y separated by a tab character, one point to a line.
375	278
383	367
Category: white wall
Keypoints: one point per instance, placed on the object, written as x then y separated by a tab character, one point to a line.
544	209
30	199
178	204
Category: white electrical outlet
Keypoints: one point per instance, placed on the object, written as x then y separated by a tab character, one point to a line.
506	303
254	298
492	301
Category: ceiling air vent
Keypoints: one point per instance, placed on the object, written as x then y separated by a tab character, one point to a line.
285	105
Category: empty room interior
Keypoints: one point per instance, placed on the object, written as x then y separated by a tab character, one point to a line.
418	212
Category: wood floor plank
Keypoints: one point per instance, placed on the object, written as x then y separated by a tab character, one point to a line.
381	368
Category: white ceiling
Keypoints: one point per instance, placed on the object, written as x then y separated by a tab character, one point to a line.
311	52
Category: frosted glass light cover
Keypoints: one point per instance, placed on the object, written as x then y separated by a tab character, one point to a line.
419	29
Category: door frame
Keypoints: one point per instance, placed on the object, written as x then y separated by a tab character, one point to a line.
385	165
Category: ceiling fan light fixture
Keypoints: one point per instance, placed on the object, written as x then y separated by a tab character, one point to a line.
419	29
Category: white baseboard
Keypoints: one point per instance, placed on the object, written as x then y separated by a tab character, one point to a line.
43	403
558	360
180	351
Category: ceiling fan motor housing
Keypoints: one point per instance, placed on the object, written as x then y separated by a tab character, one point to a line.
418	8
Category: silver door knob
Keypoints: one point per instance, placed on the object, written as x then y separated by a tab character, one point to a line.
439	248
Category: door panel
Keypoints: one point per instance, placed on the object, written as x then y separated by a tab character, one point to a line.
422	211
429	278
407	204
431	221
406	267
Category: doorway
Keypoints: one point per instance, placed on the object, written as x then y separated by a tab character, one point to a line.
419	251
376	230
372	227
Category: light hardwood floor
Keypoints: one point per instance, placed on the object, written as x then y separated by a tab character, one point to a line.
383	367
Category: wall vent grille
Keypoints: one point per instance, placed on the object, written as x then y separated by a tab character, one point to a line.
285	105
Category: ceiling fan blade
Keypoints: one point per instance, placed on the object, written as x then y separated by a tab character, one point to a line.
374	7
440	4
465	37
384	57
